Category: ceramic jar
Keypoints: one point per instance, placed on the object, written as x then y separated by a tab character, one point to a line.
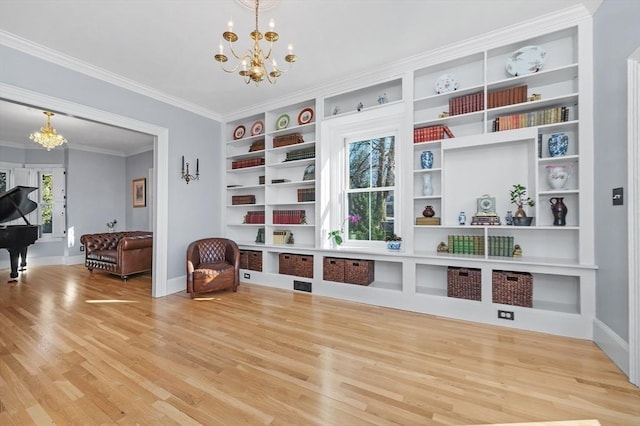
426	159
428	212
427	186
508	219
558	175
559	210
558	144
462	218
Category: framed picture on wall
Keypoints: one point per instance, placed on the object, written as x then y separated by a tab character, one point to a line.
139	192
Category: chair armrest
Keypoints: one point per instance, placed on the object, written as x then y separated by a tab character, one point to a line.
135	242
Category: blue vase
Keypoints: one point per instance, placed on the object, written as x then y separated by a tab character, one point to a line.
426	159
558	144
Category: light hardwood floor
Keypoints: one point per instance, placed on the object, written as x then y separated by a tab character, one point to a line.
88	349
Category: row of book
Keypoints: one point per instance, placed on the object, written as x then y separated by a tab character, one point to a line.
254	217
474	244
431	133
510	96
532	118
466	104
306	194
295	217
301	154
465	244
500	246
249	162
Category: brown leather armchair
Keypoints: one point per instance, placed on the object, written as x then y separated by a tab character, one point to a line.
212	264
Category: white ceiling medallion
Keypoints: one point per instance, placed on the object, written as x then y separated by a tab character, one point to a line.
264	4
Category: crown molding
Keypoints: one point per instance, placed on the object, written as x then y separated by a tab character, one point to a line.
39	51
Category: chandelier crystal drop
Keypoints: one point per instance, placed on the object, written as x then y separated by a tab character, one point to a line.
47	136
254	65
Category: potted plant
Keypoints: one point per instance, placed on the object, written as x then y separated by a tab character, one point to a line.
519	197
335	236
393	241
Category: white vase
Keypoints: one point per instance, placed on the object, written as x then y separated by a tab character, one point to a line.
558	175
427	186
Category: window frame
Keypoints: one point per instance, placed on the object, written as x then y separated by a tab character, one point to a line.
363	137
388	121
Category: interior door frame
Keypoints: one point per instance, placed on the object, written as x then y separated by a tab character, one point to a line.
633	212
160	161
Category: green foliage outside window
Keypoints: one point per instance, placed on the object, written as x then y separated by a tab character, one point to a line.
46	204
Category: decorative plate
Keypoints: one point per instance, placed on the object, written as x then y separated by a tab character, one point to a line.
257	128
526	60
305	116
238	133
446	83
309	172
282	122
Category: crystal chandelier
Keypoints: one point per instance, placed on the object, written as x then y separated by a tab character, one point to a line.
255	65
47	136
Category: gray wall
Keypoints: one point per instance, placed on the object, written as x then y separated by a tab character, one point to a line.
193	209
95	194
98	191
616	36
138	167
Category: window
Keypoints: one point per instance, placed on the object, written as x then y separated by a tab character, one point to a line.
50	197
371	188
4	180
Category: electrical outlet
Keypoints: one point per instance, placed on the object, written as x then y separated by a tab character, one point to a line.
508	315
247	275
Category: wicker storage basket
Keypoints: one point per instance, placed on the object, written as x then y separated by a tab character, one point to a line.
303	266
333	269
244	259
254	260
286	263
513	288
358	271
285	140
464	283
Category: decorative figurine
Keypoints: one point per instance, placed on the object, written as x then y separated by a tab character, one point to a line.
443	114
442	247
383	99
360	106
336	110
517	251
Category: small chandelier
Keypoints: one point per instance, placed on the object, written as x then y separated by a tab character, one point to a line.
47	136
256	66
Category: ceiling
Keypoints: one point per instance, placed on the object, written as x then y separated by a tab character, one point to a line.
167	46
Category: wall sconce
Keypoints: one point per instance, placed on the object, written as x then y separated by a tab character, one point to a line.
185	172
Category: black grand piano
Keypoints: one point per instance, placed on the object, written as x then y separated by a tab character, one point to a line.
15	238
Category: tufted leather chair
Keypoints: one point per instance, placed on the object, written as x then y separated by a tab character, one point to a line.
212	264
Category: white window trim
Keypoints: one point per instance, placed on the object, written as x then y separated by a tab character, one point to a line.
389	120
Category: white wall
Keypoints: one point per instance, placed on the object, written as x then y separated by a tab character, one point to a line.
194	210
616	36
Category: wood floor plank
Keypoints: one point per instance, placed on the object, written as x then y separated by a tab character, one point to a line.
81	348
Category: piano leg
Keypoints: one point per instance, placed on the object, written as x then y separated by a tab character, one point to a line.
13	256
23	259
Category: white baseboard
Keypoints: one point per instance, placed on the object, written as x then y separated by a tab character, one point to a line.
176	285
47	260
612	345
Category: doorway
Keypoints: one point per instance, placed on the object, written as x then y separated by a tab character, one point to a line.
160	165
